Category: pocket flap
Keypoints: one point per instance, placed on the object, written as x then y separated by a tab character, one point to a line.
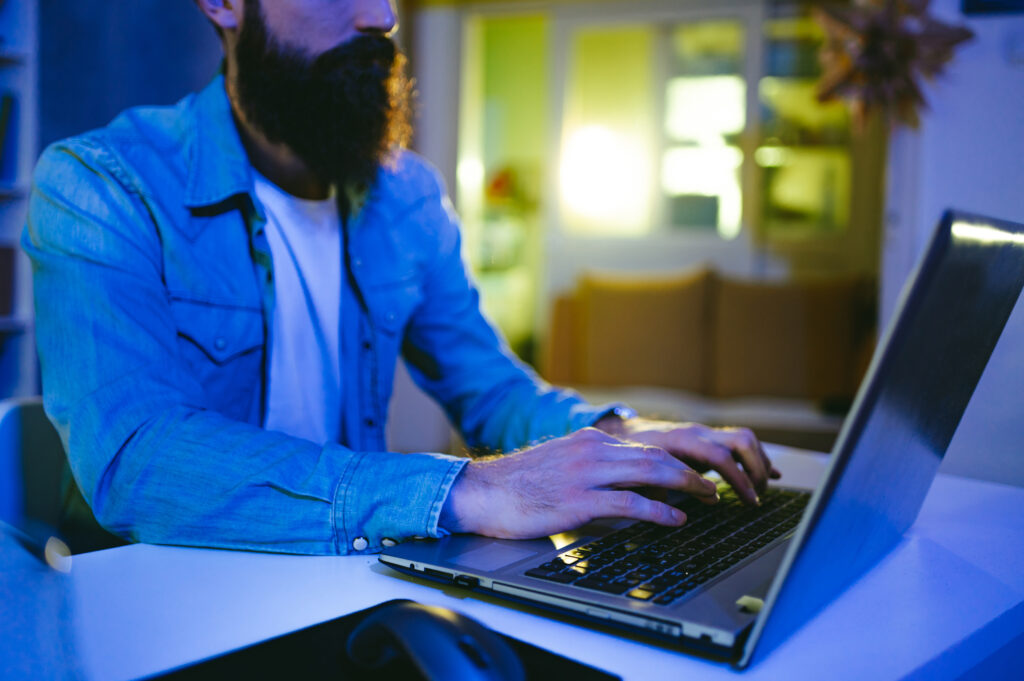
222	332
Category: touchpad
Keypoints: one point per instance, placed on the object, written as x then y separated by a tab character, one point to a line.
493	556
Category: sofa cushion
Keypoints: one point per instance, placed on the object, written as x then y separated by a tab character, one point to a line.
792	339
644	331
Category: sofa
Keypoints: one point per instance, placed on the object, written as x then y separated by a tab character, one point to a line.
782	357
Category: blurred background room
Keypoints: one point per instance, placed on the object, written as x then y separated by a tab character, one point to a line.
657	204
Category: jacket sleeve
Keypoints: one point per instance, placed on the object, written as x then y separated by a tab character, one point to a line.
456	355
154	461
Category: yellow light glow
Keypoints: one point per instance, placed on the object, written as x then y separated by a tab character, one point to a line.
470	173
771	157
605	179
708	171
706	107
985	234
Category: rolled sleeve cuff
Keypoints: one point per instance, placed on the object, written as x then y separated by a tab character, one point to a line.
383	497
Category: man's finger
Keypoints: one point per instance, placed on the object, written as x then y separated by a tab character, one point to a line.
747	450
657	471
625	450
773	472
720	459
626	504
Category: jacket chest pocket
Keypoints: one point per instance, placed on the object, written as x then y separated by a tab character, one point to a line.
223	347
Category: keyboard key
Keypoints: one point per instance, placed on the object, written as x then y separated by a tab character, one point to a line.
641	594
606	587
558	577
701	577
539	572
687	585
669	562
659	584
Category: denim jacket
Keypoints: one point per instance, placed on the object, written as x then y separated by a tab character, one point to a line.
153	285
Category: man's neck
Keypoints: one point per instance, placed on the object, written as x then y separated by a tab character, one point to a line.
277	162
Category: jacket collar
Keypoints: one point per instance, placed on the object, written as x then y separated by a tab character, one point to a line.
218	167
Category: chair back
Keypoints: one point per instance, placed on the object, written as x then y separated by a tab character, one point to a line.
31	464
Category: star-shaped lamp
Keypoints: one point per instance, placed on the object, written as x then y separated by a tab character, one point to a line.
876	51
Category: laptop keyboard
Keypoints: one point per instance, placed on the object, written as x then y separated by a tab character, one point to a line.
661	564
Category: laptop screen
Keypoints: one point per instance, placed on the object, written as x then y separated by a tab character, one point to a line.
923	374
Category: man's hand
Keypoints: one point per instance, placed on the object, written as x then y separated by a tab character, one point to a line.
564	483
735	453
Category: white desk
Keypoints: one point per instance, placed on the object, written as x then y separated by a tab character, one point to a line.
948	598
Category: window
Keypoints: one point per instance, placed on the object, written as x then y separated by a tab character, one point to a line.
684	132
705	116
651	130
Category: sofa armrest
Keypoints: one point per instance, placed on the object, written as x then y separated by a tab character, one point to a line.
560	341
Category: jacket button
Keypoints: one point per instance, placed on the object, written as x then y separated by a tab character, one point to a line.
360	543
388	541
220	343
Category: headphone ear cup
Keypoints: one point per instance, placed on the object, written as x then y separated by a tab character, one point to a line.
371	645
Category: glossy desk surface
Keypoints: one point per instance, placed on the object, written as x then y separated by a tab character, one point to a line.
950	596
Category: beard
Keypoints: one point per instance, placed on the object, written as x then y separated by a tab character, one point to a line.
344	112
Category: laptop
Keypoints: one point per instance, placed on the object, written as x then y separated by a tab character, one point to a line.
734	581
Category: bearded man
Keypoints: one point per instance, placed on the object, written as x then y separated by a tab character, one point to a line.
223	288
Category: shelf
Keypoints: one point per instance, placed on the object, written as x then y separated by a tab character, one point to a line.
10	192
13	325
10	57
19	71
782	230
793	78
806	146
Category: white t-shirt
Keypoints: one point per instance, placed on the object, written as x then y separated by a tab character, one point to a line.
305	353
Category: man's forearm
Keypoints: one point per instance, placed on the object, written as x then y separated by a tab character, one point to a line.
196	478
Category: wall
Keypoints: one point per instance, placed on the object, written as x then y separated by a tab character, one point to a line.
968	155
99	57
